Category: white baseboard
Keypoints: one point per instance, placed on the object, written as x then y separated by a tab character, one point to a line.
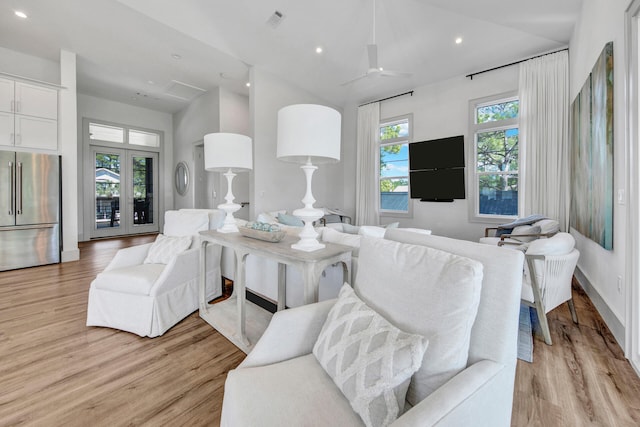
73	255
613	323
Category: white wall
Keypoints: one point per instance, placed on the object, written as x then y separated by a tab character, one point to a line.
200	117
116	112
234	118
439	110
277	184
24	65
602	22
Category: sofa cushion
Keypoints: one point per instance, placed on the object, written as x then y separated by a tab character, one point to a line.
185	223
334	236
251	394
165	248
370	360
405	282
371	231
137	279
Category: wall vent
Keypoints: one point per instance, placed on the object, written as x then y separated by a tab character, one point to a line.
275	19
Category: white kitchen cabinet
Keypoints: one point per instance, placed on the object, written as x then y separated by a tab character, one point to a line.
6	128
28	115
6	95
36	101
35	132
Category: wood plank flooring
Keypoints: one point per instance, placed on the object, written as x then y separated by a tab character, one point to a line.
55	371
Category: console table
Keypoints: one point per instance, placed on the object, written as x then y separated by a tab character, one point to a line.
243	322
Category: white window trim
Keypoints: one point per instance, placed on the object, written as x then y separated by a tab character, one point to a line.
472	157
384	213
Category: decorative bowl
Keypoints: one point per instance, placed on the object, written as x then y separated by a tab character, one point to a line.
267	236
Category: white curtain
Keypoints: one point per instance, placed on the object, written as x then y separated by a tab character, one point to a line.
544	135
368	150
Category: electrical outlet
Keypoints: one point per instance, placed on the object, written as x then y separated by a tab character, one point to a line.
619	284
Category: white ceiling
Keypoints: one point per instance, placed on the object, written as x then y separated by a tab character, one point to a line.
122	45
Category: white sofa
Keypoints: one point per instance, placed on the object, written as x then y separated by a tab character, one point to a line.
262	273
148	298
281	382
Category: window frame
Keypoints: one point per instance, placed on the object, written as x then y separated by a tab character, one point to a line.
388	213
473	176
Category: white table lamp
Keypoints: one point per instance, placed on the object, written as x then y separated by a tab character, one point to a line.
229	153
308	133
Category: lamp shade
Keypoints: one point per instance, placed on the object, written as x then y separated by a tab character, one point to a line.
224	151
309	130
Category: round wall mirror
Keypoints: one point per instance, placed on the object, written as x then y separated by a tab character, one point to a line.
182	178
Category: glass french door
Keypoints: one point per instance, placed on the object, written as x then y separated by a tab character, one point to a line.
125	192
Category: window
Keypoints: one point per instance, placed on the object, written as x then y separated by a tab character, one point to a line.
395	135
149	139
494	127
101	132
111	133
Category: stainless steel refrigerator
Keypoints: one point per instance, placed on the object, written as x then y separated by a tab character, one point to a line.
29	209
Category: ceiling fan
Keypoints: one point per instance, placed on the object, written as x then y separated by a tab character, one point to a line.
372	53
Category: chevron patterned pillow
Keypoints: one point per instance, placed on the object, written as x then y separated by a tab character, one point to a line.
370	360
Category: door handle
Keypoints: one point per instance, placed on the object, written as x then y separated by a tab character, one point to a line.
11	189
19	188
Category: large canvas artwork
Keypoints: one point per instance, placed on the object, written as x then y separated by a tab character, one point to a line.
592	154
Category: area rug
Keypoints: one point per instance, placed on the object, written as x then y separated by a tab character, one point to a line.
525	334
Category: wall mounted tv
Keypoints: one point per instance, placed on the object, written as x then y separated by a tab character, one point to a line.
437	169
437	185
437	153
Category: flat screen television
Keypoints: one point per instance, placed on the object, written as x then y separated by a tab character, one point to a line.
437	153
437	185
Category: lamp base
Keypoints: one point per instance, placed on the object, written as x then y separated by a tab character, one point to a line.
229	225
308	236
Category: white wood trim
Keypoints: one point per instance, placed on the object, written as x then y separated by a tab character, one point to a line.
33	81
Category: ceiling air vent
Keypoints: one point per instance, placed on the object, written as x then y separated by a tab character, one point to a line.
275	19
183	91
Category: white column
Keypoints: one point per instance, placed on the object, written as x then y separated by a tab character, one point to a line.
68	147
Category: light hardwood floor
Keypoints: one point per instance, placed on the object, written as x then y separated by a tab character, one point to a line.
55	371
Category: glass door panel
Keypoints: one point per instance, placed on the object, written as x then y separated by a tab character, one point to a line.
143	191
107	185
124	192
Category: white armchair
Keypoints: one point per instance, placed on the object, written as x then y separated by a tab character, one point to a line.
282	383
148	298
547	278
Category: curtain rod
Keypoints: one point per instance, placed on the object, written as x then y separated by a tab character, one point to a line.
514	63
389	97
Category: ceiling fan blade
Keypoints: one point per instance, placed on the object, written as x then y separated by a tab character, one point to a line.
390	73
372	52
354	80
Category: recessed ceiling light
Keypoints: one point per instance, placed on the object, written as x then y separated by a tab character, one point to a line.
381	69
319	49
176	56
248	84
151	82
459	40
20	14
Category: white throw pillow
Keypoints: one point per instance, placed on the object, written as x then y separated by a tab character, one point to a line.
372	231
370	360
525	229
424	291
334	236
351	229
165	248
266	218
